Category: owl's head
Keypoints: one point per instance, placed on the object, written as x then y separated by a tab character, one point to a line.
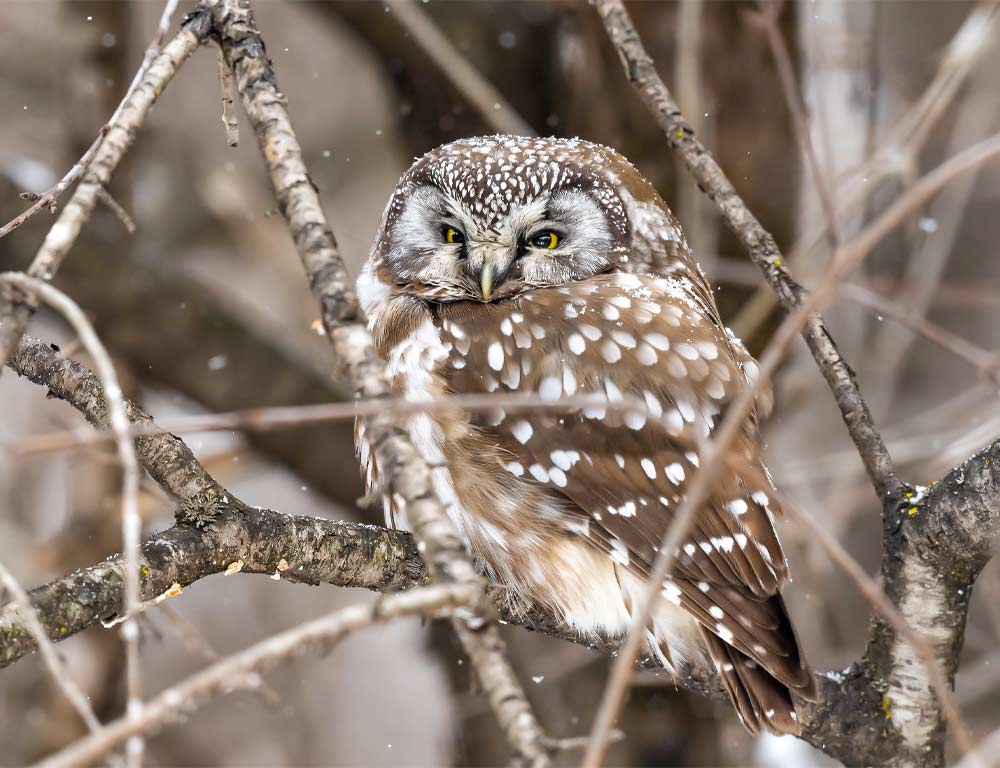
487	218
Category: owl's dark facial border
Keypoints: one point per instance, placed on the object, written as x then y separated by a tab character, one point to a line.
417	254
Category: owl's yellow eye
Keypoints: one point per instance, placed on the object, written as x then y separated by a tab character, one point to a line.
452	235
547	240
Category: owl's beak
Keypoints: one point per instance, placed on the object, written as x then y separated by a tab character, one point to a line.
486	280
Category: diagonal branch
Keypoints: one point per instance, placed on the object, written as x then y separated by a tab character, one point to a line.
848	722
243	670
407	476
758	242
118	137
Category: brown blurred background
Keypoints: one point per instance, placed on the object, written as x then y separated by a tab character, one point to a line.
205	308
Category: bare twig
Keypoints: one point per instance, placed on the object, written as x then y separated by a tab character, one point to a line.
845	259
899	148
768	17
52	661
49	197
986	753
117	209
693	93
986	361
495	110
120	133
407	475
119	423
924	269
227	85
759	243
243	670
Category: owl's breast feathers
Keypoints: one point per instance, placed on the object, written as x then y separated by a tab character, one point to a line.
553	503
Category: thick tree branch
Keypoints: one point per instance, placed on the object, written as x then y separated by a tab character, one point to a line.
952	531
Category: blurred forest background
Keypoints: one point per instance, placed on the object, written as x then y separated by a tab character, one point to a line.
204	308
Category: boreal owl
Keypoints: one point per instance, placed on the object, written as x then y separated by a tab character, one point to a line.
550	266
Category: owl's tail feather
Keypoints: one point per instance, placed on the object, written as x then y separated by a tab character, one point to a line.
763	703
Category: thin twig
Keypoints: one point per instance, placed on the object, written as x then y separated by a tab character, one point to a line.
768	17
243	670
227	84
49	197
407	476
986	361
758	242
693	92
130	520
846	258
495	110
290	416
52	661
899	148
117	209
120	133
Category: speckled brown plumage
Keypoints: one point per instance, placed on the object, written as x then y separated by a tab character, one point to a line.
567	509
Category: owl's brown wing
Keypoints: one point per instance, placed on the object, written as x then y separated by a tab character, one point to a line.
629	336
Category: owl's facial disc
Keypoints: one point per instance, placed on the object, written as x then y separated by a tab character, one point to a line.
442	250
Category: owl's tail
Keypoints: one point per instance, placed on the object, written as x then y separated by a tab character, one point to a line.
762	700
